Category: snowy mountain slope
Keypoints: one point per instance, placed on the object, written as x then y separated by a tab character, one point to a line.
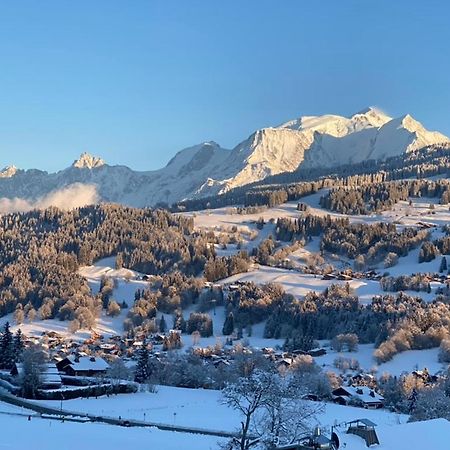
208	169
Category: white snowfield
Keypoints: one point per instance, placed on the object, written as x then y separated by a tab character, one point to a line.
299	284
428	435
188	407
202	408
404	362
178	406
19	433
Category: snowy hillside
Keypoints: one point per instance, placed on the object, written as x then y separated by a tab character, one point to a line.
208	169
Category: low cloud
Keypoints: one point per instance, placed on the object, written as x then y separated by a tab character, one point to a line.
71	196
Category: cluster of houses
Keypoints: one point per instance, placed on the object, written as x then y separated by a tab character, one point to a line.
68	358
74	365
348	275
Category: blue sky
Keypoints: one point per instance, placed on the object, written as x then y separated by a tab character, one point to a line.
136	81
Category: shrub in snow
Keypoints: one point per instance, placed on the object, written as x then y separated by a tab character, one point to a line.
444	351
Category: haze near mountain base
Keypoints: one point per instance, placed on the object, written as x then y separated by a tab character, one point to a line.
208	169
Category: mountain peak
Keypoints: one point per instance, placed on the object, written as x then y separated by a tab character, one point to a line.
8	171
370	110
87	161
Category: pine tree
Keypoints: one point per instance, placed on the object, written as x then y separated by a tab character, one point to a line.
18	345
228	326
178	322
443	266
162	324
6	348
143	371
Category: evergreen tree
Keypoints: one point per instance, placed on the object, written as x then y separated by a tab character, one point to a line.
143	371
178	322
18	345
228	326
6	348
162	325
443	266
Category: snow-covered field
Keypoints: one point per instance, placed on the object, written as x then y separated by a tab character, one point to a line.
18	433
189	407
429	435
299	284
402	362
202	408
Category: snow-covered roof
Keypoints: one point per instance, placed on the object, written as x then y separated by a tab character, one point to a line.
364	393
49	373
88	363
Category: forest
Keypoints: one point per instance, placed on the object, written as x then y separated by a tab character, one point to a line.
377	197
40	252
277	189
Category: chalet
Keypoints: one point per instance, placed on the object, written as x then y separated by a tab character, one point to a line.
86	366
285	362
359	394
221	363
363	379
49	374
329	276
344	277
233	287
108	348
315	352
425	376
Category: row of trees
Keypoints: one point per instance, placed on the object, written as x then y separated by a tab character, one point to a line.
377	197
427	162
11	347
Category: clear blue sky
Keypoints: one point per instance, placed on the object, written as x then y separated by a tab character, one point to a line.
135	81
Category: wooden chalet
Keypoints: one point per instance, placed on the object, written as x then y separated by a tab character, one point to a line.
362	394
83	366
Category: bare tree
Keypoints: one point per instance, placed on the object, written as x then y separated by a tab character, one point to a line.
271	408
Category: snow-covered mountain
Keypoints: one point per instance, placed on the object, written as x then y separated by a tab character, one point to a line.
207	168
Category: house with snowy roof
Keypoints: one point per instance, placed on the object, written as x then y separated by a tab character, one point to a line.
83	366
49	375
363	395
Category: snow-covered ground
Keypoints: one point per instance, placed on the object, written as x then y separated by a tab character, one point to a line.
402	362
429	435
202	408
194	408
402	213
299	284
18	433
